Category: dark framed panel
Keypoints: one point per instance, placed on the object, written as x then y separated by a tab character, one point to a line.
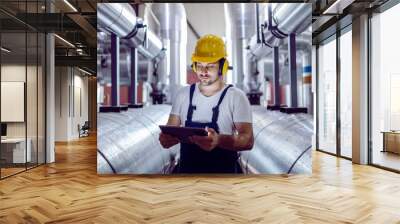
333	33
25	59
376	154
323	91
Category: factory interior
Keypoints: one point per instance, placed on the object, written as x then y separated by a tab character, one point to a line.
85	85
162	68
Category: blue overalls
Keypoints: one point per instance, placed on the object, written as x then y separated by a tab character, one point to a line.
193	159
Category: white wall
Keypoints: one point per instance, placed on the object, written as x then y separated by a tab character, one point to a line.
71	102
17	73
81	83
205	19
33	127
61	103
14	73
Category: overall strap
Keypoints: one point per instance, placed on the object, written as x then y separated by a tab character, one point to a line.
191	107
216	108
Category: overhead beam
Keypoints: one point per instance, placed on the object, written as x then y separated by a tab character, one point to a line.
192	29
84	61
86	26
48	22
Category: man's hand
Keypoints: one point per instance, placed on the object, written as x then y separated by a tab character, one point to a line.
208	142
167	141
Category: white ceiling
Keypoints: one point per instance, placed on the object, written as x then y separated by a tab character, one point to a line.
206	18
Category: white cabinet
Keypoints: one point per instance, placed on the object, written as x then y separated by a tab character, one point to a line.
17	146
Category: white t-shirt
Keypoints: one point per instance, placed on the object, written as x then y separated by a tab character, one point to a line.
234	108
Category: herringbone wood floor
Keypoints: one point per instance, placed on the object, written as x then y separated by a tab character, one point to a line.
70	191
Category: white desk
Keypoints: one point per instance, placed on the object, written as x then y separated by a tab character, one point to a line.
18	149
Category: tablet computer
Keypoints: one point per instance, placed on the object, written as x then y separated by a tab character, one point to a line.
182	133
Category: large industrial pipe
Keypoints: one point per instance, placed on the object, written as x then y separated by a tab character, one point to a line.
128	142
241	25
284	20
117	18
274	152
272	67
280	22
275	26
125	69
172	19
120	19
258	51
150	47
285	78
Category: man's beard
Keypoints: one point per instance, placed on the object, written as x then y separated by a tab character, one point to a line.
208	82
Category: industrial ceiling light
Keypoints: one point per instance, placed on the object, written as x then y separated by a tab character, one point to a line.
64	40
80	51
5	50
70	5
84	71
338	6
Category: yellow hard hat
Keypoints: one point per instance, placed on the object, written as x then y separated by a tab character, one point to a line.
210	48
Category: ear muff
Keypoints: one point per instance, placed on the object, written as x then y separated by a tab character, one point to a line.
194	66
223	66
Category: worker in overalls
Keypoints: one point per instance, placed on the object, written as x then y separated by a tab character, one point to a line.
223	110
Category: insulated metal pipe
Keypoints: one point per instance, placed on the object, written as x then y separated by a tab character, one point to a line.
241	23
128	142
117	18
274	152
286	19
120	19
173	32
282	21
125	66
258	51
